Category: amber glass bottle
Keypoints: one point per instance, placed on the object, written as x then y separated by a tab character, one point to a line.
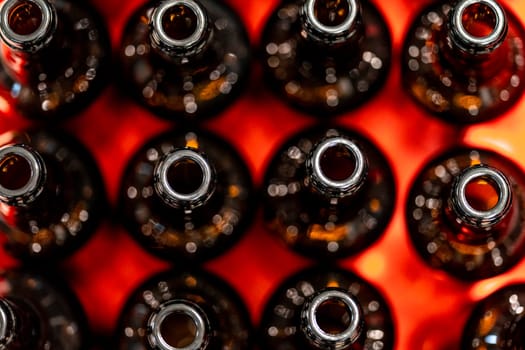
463	61
186	195
39	312
54	57
497	322
466	212
326	307
51	193
325	56
328	193
184	309
185	59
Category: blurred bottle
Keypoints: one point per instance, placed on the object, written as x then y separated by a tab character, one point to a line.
185	59
51	194
190	310
326	307
328	193
326	56
465	213
186	195
38	312
463	60
497	322
54	57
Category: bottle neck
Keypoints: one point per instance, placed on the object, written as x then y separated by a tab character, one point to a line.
331	22
184	178
22	175
336	167
480	199
179	325
332	319
180	28
19	327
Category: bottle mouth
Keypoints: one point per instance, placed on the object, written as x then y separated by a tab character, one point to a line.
332	319
26	24
478	26
22	172
178	325
179	26
184	178
481	196
337	167
330	20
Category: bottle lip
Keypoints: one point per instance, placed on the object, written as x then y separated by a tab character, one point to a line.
314	331
178	199
186	46
29	42
321	32
30	190
476	44
187	308
6	318
337	188
481	218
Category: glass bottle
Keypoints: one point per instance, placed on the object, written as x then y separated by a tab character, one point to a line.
54	57
186	195
185	59
497	322
51	194
39	312
325	57
184	309
328	193
462	60
466	211
326	307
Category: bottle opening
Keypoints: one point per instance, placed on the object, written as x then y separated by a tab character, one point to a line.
479	20
333	316
331	13
185	176
482	194
179	22
15	172
178	330
338	163
25	17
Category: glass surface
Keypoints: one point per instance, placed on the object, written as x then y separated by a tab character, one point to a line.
202	232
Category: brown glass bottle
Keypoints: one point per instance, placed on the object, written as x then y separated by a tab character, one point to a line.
186	195
466	213
184	309
462	61
185	60
325	57
328	193
51	195
497	322
39	312
54	57
326	307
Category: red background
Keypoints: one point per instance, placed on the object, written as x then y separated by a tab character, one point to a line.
429	307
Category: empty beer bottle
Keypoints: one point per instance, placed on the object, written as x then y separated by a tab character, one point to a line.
328	193
186	195
51	192
325	56
326	307
465	213
54	57
185	59
38	312
497	322
462	60
184	309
